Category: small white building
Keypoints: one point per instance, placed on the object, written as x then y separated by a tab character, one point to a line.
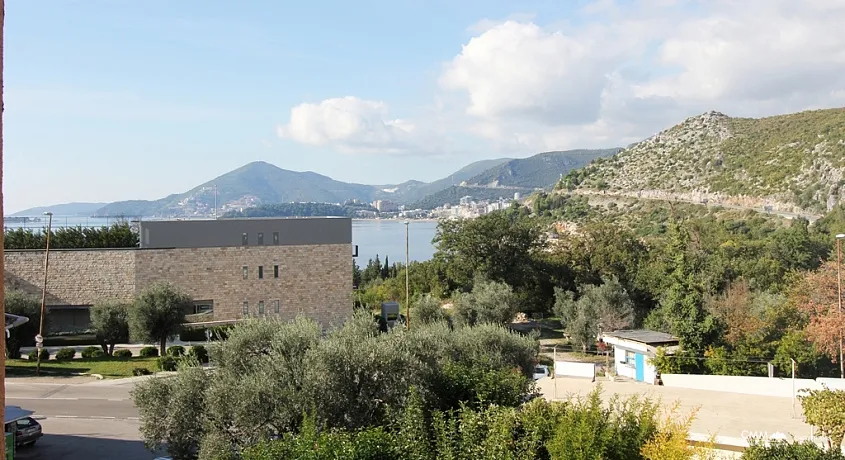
633	350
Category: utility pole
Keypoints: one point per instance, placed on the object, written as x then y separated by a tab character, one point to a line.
2	267
39	339
407	276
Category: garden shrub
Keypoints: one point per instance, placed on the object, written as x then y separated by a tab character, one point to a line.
139	371
176	351
782	450
199	353
92	352
148	352
166	363
65	354
123	353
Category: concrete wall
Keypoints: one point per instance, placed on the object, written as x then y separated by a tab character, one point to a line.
313	280
76	277
763	386
575	369
229	232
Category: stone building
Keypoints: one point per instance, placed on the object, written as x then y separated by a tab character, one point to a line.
232	268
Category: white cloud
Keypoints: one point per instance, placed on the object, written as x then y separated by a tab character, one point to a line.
622	73
352	125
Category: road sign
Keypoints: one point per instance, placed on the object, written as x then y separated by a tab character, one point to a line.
39	339
39	345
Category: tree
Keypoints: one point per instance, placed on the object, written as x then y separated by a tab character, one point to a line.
681	311
489	302
816	295
158	314
22	304
498	246
606	307
110	321
427	309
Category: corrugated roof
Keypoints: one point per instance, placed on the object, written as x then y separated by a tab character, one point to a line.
643	336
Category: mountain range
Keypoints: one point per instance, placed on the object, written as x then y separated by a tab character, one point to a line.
263	183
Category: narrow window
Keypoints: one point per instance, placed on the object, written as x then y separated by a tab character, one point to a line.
275	238
261	239
276	307
261	272
245	240
261	307
246	271
246	308
275	271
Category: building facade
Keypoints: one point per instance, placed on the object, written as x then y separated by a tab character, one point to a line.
633	351
231	268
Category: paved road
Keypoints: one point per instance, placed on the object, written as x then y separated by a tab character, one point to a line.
81	419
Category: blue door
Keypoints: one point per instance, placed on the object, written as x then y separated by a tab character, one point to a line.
639	365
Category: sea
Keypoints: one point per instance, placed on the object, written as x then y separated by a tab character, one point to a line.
372	236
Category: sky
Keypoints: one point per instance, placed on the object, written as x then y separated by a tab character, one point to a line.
113	100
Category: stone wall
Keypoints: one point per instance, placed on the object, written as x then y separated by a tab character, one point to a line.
76	277
314	280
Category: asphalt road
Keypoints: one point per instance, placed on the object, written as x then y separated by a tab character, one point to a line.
80	421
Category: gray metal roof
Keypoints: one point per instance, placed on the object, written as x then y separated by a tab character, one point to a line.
643	336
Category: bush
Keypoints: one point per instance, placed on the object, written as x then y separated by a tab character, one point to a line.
199	353
65	354
782	450
92	352
139	371
148	352
166	363
123	353
45	355
176	351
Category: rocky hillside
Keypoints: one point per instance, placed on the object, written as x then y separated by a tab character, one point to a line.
792	163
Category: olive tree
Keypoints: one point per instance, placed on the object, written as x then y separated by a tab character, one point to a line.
427	310
158	314
606	307
22	304
488	302
110	321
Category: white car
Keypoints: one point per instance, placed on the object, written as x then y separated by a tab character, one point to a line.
540	371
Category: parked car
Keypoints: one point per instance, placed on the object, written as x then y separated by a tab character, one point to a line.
27	431
540	371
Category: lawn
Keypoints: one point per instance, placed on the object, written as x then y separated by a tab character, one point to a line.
107	367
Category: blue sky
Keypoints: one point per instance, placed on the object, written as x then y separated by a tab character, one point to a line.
109	100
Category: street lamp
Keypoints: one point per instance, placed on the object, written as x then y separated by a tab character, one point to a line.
39	339
839	297
407	277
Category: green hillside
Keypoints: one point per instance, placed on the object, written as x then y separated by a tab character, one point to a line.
300	210
413	191
792	162
538	171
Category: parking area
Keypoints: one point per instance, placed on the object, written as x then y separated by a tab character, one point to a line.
86	439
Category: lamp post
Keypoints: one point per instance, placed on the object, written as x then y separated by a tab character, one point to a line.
40	337
407	277
839	298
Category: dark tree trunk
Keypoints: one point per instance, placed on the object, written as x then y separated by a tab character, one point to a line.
163	346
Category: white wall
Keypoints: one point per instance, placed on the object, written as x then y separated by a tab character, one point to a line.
574	369
833	384
762	386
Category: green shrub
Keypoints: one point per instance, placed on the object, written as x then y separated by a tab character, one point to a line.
176	351
123	353
32	356
45	355
199	353
166	363
782	450
139	371
148	352
92	352
65	354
